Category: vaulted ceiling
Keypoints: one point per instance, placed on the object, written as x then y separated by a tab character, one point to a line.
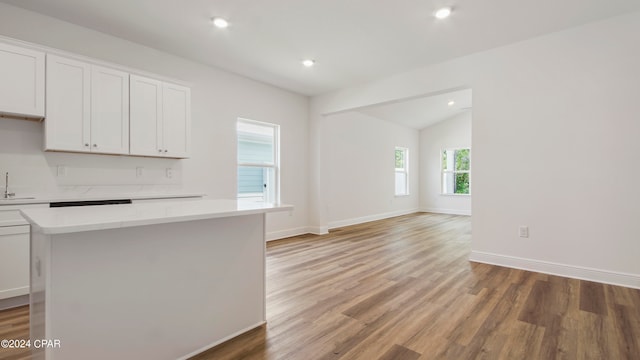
352	41
422	112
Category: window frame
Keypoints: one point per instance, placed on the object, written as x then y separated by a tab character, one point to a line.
454	172
404	170
275	166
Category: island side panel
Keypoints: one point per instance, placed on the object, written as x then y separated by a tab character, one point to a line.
39	249
158	291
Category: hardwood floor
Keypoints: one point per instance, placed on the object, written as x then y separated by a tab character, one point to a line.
14	324
403	288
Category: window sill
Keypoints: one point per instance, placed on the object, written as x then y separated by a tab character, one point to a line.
464	195
399	196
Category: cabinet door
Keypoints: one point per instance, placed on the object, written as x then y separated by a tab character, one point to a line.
176	102
145	116
109	111
14	261
68	121
21	81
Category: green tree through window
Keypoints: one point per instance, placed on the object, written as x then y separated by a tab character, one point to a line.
402	171
399	159
456	169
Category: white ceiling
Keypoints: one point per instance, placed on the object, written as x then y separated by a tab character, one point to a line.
353	41
422	112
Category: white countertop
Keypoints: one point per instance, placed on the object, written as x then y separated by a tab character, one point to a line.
45	199
88	218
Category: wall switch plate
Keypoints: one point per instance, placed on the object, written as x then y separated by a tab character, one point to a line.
169	173
523	231
61	170
139	171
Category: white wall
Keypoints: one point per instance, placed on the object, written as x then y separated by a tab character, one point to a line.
448	134
361	168
555	147
218	98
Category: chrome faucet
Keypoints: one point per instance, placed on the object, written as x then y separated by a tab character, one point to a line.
7	194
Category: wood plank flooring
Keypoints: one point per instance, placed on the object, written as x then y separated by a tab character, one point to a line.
14	324
403	288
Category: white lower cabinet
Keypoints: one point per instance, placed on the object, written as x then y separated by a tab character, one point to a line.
14	261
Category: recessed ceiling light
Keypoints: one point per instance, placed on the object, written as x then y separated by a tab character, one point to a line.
443	13
451	103
308	62
220	22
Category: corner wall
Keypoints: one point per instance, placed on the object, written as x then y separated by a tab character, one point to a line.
555	143
360	161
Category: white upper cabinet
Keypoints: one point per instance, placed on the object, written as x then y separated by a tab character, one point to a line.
160	118
68	122
21	81
176	124
92	108
87	107
146	116
109	111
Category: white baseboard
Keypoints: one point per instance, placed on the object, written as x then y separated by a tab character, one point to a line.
216	343
571	271
446	211
14	302
318	230
368	218
281	234
322	230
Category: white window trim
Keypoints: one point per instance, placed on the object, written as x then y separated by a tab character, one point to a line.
442	172
276	156
404	170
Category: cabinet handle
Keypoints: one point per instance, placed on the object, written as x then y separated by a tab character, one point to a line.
86	144
38	266
165	150
95	145
160	150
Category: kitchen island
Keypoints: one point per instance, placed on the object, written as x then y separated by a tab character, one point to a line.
146	281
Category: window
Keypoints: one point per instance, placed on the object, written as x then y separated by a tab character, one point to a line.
456	167
258	161
402	171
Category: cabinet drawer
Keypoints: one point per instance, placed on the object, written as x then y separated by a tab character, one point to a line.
13	230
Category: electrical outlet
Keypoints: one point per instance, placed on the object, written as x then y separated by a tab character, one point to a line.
139	171
523	231
61	170
169	173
